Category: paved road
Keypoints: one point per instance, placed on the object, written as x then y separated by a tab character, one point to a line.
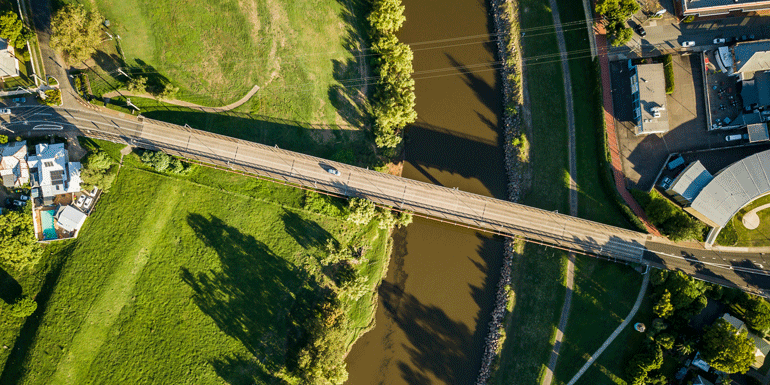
746	270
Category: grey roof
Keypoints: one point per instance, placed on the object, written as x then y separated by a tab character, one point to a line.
9	180
652	95
763	87
70	218
749	92
757	132
751	56
734	187
9	66
712	7
691	181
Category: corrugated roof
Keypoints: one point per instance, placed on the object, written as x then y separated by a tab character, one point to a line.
691	180
734	187
70	218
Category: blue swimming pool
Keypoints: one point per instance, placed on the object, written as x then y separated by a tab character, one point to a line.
46	219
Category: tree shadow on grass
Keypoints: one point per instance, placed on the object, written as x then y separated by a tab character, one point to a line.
10	290
255	296
307	234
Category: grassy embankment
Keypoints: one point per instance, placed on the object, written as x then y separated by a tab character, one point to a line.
301	54
596	308
200	278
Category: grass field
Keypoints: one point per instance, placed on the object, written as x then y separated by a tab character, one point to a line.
756	237
204	278
301	54
539	293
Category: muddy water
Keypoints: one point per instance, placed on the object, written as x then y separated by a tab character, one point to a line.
435	302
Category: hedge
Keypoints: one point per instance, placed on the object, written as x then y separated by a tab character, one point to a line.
668	71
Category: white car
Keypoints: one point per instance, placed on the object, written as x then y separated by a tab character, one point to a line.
719	40
5	111
333	171
688	43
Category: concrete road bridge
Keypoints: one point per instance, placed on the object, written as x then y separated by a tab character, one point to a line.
745	269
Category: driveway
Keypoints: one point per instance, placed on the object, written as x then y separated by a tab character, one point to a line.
52	61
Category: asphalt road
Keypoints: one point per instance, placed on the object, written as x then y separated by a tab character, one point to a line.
745	270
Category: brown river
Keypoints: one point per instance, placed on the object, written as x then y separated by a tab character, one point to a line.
435	303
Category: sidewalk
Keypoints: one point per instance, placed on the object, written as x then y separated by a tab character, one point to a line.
612	139
182	103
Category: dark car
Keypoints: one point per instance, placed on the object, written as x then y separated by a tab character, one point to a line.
640	30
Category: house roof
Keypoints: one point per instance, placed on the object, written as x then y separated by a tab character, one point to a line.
751	57
652	99
691	181
9	66
9	180
719	7
70	218
735	322
757	132
53	170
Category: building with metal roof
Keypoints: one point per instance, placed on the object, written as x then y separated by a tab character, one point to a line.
750	57
732	188
720	7
648	89
51	171
9	65
689	183
70	218
757	132
14	171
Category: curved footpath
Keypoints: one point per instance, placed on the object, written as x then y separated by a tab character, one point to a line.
573	196
182	103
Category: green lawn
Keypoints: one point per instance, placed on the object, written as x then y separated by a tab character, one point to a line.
205	278
301	54
759	236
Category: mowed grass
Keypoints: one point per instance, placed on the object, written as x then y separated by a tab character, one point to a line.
301	54
197	279
756	237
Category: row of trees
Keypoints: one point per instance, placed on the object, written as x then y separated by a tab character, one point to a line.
394	99
671	220
678	298
617	12
139	84
162	162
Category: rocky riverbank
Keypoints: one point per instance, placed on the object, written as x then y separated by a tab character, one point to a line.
505	13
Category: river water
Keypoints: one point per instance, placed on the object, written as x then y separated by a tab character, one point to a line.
435	303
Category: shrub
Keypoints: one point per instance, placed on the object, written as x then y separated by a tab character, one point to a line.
668	71
162	162
728	236
52	97
97	171
323	204
362	211
23	308
3	139
669	218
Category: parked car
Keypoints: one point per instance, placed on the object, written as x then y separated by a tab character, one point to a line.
80	200
19	100
676	162
19	203
640	30
5	111
689	43
88	202
719	40
333	171
24	197
730	138
665	183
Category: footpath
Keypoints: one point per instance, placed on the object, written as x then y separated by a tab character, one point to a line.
182	103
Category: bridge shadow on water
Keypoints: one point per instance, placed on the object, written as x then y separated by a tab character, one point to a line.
436	344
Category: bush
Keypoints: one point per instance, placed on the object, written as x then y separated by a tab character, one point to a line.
668	71
23	308
323	204
3	139
162	162
362	211
672	221
728	236
97	171
52	97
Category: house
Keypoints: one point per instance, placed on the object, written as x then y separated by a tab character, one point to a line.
699	380
648	92
699	363
51	173
719	7
70	218
14	170
761	344
9	65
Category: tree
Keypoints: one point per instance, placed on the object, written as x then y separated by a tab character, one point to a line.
387	16
137	84
663	308
757	315
3	139
23	308
168	91
96	171
665	340
726	349
99	161
18	245
362	211
622	36
76	31
12	29
617	10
